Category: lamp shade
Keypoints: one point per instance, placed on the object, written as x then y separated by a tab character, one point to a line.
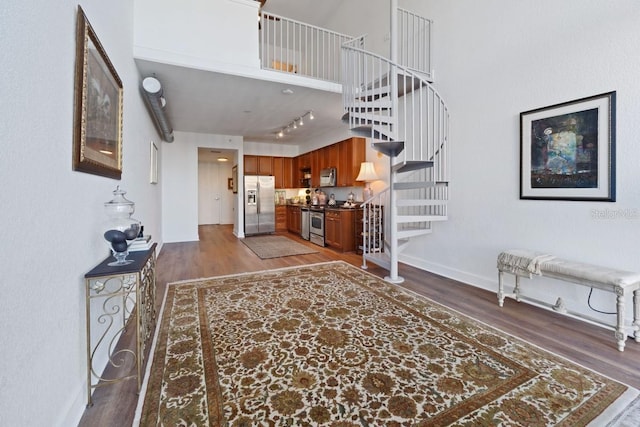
367	172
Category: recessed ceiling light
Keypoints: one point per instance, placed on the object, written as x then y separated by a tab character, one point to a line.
223	159
287	91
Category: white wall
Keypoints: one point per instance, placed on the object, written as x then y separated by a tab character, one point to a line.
493	60
373	20
52	216
270	149
180	186
204	34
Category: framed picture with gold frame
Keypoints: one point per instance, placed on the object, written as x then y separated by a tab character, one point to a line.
97	129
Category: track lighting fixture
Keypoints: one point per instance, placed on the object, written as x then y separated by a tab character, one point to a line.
294	124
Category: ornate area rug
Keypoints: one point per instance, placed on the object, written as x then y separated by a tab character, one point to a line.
330	344
275	246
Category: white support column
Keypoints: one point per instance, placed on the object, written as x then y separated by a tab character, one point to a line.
393	210
393	231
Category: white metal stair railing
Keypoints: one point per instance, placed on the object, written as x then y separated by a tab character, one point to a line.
414	42
295	47
373	231
384	240
420	127
408	121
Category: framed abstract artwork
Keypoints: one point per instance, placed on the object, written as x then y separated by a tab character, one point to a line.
97	130
567	151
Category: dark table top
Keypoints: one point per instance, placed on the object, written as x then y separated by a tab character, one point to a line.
139	259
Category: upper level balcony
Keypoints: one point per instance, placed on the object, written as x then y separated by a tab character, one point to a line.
216	59
223	36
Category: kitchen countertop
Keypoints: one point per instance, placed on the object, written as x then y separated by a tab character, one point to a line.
338	207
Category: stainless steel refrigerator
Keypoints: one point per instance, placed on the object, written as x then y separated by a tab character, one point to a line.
259	204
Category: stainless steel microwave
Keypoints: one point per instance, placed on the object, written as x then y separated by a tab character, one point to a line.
328	177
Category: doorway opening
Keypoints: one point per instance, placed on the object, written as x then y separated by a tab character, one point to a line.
216	200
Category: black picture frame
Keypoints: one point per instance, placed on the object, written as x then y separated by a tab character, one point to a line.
567	150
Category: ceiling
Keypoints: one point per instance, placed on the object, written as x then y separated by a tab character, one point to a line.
216	155
207	102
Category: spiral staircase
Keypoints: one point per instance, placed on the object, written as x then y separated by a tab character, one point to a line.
393	102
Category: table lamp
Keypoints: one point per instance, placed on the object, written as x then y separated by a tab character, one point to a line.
367	174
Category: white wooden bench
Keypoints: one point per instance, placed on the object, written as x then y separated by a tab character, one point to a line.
526	263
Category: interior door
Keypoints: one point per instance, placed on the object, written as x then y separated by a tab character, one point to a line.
215	199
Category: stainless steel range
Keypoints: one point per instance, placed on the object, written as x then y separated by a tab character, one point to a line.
316	226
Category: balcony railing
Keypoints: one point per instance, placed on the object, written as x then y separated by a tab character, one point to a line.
294	47
414	42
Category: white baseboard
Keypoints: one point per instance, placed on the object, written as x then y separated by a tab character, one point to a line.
452	273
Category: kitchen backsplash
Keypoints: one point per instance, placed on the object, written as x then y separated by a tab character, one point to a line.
341	193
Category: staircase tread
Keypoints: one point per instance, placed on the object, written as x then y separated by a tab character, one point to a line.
372	94
418	184
403	80
412	165
389	148
367	130
377	103
420	202
405	234
372	119
420	218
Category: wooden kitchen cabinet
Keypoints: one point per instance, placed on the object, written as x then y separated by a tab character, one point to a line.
281	218
338	229
250	165
326	157
289	173
283	172
304	161
294	219
332	156
301	164
277	164
315	168
258	165
346	156
265	165
351	153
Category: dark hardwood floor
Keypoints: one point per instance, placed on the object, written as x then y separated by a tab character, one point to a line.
219	252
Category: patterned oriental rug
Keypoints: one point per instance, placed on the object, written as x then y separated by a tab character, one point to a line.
330	344
275	246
